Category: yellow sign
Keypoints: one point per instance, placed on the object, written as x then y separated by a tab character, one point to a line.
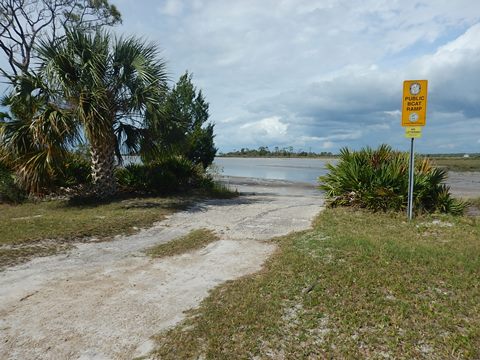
414	103
413	132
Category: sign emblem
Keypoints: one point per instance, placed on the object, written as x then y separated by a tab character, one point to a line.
413	117
415	88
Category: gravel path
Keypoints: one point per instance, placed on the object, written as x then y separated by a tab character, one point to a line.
106	300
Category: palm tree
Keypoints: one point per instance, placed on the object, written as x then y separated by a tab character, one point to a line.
35	134
109	88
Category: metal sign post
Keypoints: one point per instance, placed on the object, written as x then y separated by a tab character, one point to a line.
411	171
414	114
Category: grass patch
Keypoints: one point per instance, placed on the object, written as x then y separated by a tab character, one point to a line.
46	227
194	240
359	285
458	164
220	191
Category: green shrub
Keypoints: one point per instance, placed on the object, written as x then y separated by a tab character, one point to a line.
126	177
378	180
134	177
9	190
76	171
168	175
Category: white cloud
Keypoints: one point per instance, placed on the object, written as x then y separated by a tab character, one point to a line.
467	41
379	127
369	98
308	72
448	146
453	53
171	7
271	129
328	145
345	135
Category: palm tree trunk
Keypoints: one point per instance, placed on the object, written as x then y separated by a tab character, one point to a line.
103	164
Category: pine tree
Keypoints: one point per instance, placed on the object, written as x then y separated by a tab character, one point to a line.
184	128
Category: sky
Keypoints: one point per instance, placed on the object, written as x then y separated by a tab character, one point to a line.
322	75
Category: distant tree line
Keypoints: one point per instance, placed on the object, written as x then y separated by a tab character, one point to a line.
264	151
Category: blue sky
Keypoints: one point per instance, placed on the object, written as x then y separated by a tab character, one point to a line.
322	74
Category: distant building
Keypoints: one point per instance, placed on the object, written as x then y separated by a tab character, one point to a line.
466	156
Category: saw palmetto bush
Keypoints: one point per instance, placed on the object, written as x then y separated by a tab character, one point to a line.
377	179
171	174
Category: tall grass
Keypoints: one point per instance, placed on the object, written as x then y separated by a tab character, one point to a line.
377	179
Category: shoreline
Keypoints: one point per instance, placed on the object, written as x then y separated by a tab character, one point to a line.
464	185
279	157
254	181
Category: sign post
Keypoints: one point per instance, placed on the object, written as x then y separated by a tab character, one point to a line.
414	114
411	170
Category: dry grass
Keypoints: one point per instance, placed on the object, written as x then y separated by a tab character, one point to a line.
194	240
359	285
458	164
37	229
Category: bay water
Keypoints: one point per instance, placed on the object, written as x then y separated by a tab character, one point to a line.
289	169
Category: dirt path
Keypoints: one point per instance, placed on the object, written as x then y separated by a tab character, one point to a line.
105	300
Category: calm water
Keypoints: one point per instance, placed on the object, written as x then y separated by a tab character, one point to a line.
299	170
